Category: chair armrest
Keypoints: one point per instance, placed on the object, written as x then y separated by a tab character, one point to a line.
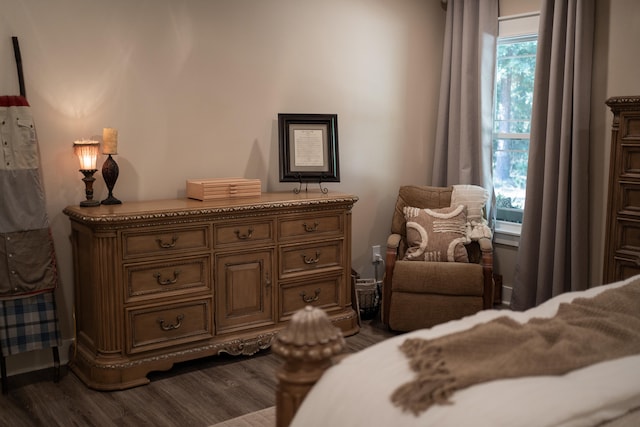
486	247
393	241
485	244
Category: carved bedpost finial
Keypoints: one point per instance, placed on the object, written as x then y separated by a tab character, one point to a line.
307	345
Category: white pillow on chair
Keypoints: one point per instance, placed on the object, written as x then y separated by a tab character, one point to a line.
475	199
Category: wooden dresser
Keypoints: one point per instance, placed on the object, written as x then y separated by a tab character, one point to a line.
622	250
161	282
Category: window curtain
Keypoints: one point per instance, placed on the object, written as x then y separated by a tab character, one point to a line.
552	258
463	137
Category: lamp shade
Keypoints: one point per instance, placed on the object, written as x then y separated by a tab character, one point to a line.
109	141
87	152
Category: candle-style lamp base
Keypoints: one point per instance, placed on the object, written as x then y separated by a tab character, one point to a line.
110	173
88	188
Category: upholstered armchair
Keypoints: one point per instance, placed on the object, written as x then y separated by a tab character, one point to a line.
424	287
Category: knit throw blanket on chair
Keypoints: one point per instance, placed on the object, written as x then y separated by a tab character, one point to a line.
584	332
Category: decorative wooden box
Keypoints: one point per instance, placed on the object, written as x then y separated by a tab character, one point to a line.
222	188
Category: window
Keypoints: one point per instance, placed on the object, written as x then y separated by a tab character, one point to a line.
515	71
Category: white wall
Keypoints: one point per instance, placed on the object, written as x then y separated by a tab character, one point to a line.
194	88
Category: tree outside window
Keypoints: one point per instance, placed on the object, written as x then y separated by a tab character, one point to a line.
515	71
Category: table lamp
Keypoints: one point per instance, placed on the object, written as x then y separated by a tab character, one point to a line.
87	152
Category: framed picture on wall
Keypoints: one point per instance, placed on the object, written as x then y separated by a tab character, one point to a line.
308	148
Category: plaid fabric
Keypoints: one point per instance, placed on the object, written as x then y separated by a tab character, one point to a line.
29	323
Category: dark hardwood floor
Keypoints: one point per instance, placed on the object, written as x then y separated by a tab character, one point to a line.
198	393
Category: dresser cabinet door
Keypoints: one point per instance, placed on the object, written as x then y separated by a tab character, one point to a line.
244	291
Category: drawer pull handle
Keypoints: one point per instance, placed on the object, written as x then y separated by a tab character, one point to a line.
307	299
158	275
244	236
165	245
310	229
311	260
171	326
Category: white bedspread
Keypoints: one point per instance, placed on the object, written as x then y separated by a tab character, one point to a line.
356	391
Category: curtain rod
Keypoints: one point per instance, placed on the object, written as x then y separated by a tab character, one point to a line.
443	3
518	16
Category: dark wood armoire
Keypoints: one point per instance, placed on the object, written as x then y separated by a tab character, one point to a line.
622	243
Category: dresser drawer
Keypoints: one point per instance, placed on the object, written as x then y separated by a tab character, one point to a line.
164	240
243	233
168	325
323	292
159	279
313	257
625	267
630	160
628	200
311	226
628	237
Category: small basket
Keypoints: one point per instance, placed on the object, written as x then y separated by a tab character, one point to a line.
367	298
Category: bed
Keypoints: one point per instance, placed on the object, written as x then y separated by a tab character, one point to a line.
358	390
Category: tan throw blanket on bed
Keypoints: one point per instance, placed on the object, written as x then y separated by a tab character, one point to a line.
584	332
